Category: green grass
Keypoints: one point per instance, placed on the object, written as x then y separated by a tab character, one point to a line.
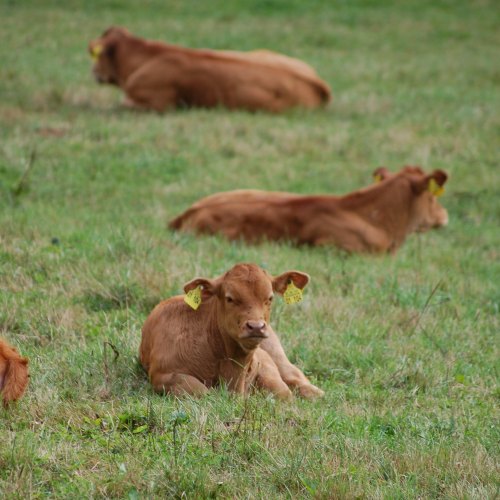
411	376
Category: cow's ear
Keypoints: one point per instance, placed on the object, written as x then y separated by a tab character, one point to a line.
433	182
281	282
208	287
110	50
98	48
380	174
95	49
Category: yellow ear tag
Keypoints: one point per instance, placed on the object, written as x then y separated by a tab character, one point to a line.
292	294
193	298
435	188
96	52
377	178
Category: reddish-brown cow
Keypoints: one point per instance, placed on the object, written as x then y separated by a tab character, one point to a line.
13	373
227	338
158	76
375	219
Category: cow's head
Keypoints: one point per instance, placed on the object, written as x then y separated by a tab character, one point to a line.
103	52
424	189
243	297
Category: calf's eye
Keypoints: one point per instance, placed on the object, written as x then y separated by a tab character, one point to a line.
229	300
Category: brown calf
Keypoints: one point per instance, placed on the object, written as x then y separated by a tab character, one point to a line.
158	76
13	373
227	338
375	219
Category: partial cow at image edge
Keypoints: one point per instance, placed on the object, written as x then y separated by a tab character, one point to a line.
13	373
158	76
376	219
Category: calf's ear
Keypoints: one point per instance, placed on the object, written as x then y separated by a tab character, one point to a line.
208	287
110	49
440	176
433	182
98	48
95	49
380	174
299	279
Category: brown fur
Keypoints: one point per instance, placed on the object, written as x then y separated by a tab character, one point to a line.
228	338
158	76
375	219
13	373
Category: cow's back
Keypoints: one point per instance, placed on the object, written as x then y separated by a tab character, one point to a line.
261	59
220	207
210	78
305	76
161	328
177	336
252	215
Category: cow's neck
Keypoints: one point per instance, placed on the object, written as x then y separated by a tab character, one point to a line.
233	351
234	362
386	206
133	53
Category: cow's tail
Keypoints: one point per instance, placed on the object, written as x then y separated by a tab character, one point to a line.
16	379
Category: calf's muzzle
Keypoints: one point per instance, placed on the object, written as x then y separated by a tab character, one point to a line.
255	329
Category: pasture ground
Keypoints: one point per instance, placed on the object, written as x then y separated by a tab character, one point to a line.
405	347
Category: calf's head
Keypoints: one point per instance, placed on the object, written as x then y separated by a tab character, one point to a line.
424	189
243	297
428	213
103	52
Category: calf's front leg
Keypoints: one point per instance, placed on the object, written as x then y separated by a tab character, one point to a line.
268	376
290	374
150	87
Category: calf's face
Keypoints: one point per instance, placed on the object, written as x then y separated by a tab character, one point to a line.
426	211
243	298
429	213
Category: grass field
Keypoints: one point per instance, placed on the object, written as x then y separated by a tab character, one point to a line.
405	347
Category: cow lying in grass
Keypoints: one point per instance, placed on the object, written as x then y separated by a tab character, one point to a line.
158	76
375	219
226	338
13	373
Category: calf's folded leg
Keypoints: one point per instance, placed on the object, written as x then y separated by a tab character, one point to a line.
177	384
291	375
268	376
150	88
